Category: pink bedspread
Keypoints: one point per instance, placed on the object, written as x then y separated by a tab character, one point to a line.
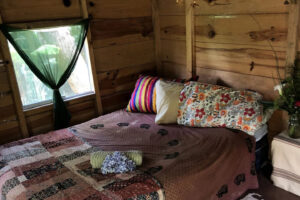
56	166
191	163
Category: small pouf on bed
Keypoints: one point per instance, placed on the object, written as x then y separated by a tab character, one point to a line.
98	157
286	163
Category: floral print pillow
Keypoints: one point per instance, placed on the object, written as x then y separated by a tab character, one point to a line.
205	105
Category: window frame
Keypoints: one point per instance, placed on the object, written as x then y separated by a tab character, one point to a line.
50	102
59	23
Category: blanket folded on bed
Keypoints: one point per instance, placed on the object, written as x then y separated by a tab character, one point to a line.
57	166
98	157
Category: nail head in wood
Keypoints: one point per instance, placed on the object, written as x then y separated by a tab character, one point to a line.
4	62
92	4
67	3
252	66
211	34
195	4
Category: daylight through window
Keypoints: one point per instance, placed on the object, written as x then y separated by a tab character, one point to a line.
34	93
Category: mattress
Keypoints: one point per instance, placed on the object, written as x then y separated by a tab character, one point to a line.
190	163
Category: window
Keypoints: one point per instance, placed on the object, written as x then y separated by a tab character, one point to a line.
34	93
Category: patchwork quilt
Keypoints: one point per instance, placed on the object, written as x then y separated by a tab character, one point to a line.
57	166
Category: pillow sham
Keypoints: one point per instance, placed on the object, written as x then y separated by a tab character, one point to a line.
206	105
167	101
143	98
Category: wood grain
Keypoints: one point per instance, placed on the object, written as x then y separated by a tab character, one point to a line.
174	51
156	27
264	30
190	35
108	9
116	101
172	70
172	27
85	15
13	84
226	57
122	56
123	79
9	132
293	35
4	83
35	10
8	113
47	108
244	60
235	80
6	99
277	123
41	120
111	32
225	7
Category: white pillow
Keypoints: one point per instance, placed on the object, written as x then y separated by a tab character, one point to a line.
167	101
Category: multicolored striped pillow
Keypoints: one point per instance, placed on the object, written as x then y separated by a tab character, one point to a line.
143	98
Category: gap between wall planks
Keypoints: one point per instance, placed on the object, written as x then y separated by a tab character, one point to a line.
190	35
292	37
85	15
156	28
13	84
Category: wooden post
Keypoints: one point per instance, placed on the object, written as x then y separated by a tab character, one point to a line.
85	15
13	84
156	30
292	38
190	24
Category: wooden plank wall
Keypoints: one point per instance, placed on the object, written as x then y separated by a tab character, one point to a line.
236	43
9	125
123	44
122	39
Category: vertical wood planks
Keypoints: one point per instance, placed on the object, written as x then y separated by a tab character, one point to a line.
190	24
92	59
156	29
14	84
292	38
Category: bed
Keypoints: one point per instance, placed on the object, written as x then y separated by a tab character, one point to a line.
179	162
